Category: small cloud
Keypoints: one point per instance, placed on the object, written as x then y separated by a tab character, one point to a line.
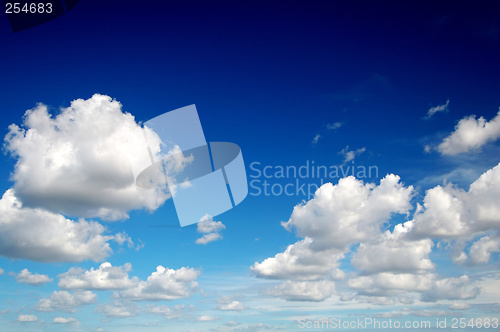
427	148
351	154
62	320
471	134
33	279
27	318
210	228
333	126
1	271
459	306
316	139
206	318
227	303
436	109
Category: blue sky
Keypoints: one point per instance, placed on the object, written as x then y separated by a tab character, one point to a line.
409	89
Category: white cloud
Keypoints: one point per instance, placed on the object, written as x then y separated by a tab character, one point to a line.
390	284
40	235
210	228
232	306
449	212
470	134
65	301
316	139
459	306
434	110
1	271
206	318
337	217
394	252
29	278
349	212
118	309
481	250
304	290
63	320
167	312
104	278
226	303
451	289
164	284
351	154
333	126
299	262
27	318
80	162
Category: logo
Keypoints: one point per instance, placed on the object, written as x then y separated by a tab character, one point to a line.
202	178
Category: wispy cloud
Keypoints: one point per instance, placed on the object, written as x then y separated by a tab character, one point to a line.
316	139
436	109
351	154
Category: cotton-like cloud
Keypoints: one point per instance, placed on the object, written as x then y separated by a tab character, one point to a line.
299	262
451	289
80	162
65	301
63	320
118	309
349	212
314	291
164	284
450	212
337	217
210	228
40	235
34	279
394	252
470	134
436	109
482	249
351	154
106	277
27	318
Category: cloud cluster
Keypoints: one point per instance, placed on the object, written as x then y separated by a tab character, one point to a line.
210	229
338	217
470	134
391	266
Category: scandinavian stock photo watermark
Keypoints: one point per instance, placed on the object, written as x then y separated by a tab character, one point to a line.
302	180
